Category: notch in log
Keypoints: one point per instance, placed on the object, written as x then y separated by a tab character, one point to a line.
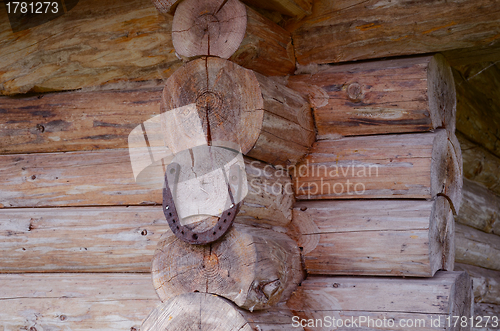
236	108
253	267
390	96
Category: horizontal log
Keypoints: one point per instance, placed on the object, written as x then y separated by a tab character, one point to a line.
485	283
384	237
473	55
480	208
480	165
209	312
294	8
76	120
391	96
253	267
345	31
389	166
98	43
477	248
478	114
397	300
104	178
75	301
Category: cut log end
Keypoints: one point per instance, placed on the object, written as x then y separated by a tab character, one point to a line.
442	95
210	27
166	6
254	268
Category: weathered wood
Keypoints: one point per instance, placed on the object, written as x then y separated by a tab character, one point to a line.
477	248
485	283
76	120
480	208
478	115
338	31
253	267
203	311
166	6
210	27
294	8
385	237
239	109
103	42
104	178
394	299
472	55
480	165
112	239
486	309
390	166
391	96
75	301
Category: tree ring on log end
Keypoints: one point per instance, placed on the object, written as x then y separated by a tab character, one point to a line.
210	27
229	106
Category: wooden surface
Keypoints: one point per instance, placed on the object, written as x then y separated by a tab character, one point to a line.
202	311
486	309
75	301
76	120
345	30
480	165
105	178
385	166
166	6
254	268
98	43
379	97
112	239
478	109
486	283
477	248
210	27
480	208
236	108
446	294
384	237
294	8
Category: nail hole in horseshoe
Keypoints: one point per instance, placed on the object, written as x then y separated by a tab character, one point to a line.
229	214
195	236
214	233
225	221
172	171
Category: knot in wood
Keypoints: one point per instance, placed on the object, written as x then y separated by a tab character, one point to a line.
211	264
208	101
354	92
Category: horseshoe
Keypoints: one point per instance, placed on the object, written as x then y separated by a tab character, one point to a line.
223	224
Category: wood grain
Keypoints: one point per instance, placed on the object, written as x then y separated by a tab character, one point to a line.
347	30
477	248
75	301
486	309
480	208
486	283
446	294
384	237
385	166
253	267
105	178
379	97
98	43
293	8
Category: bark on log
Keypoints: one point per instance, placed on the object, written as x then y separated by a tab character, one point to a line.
485	283
478	115
480	165
294	8
395	299
103	42
237	107
341	31
253	267
387	237
104	178
480	208
75	301
203	311
210	27
391	166
112	239
477	248
392	96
